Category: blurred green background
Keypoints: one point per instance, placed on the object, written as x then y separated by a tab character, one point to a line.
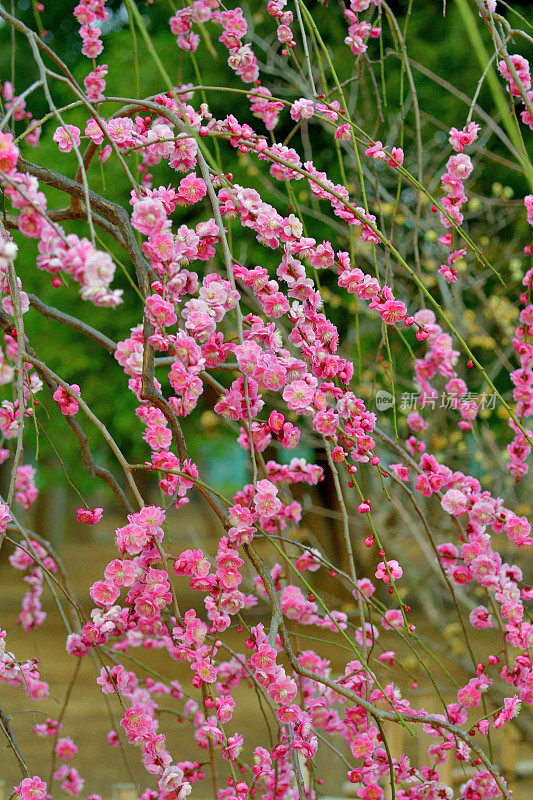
485	311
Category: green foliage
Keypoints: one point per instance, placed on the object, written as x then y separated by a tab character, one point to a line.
441	44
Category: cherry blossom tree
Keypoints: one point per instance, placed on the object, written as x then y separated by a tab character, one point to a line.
284	368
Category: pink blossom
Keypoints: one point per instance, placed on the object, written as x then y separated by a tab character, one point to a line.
191	189
480	617
396	157
461	139
94	131
394	569
137	723
31	789
5	516
148	215
454	502
104	593
90	516
509	711
302	109
282	690
266	501
68	404
120	573
65	748
9	153
67	138
459	166
298	395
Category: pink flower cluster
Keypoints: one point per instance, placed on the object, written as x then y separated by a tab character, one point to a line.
522	378
523	72
24	674
26	492
16	106
66	401
88	13
359	31
241	59
32	560
284	21
286	378
394	160
281	688
458	169
441	359
92	269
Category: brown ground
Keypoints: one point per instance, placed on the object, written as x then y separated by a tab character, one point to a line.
87	717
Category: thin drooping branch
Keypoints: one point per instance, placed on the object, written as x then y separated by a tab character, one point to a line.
12	744
64	706
4	724
43	369
499	44
72	322
94	469
36	43
487	119
13	285
376	713
347	537
43	72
